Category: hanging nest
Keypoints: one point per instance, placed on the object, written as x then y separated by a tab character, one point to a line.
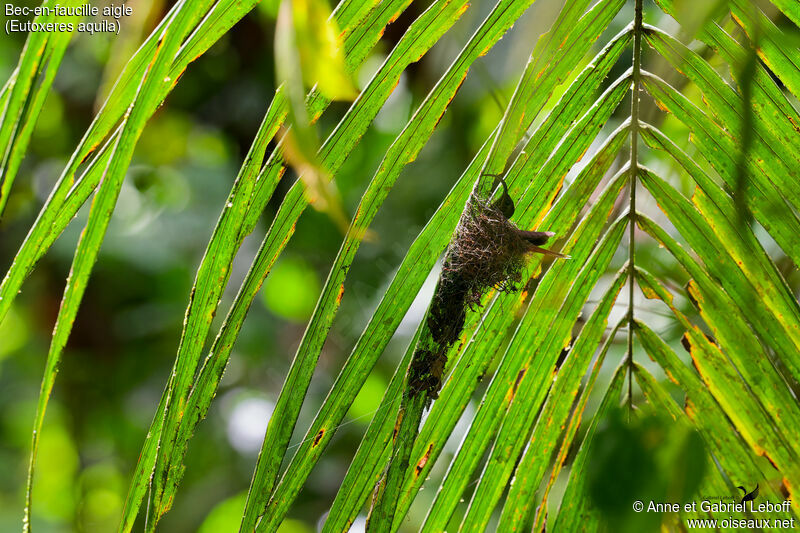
488	251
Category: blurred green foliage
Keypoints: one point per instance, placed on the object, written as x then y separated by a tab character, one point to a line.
649	458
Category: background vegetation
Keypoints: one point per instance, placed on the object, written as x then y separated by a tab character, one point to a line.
187	191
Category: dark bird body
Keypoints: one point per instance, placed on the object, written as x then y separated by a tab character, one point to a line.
505	205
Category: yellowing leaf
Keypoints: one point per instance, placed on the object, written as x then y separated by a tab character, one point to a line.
319	43
303	30
320	190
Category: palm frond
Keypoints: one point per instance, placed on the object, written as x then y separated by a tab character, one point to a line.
566	159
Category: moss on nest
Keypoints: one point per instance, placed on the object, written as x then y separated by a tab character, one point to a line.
488	251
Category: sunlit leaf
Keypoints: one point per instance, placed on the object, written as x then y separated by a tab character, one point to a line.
518	423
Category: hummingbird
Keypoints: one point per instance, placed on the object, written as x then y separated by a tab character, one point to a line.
505	204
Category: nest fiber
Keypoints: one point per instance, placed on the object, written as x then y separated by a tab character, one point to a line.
488	251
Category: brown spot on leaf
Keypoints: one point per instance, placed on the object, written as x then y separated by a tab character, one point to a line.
341	293
686	343
689	409
397	425
520	375
661	105
91	150
422	462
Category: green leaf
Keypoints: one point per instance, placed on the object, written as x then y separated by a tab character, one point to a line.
518	362
512	125
375	448
544	345
99	215
25	94
790	9
249	194
734	455
317	39
767	186
569	436
738	342
575	513
394	304
781	59
769	307
767	97
749	414
718	310
661	402
726	105
781	228
402	151
52	218
565	44
212	276
563	214
555	413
